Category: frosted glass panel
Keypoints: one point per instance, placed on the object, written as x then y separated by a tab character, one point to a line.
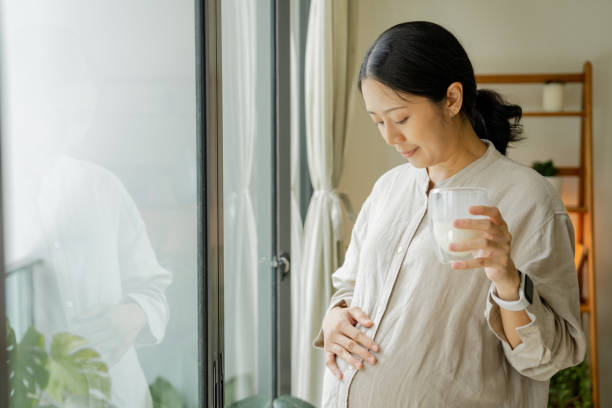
100	205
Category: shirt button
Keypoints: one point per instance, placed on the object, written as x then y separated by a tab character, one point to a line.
400	249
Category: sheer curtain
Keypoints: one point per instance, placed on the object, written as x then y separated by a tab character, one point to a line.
297	228
325	99
240	260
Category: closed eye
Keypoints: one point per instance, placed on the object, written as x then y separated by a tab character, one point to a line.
401	122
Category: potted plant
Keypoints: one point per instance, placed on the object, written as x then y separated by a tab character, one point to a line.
66	373
571	388
549	171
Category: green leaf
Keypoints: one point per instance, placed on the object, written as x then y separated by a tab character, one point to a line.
287	401
546	169
571	387
256	401
165	395
28	374
76	371
89	402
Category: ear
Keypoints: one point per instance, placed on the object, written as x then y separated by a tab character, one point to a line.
454	99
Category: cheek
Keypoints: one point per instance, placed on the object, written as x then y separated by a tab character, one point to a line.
432	147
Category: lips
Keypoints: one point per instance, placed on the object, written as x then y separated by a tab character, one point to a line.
409	153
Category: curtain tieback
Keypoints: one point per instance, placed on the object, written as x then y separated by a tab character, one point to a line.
336	211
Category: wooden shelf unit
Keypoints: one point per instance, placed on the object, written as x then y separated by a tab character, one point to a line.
584	257
563	113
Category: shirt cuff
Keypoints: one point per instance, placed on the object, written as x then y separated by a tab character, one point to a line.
157	319
529	334
318	341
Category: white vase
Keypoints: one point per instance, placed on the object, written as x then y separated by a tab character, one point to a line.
556	182
552	96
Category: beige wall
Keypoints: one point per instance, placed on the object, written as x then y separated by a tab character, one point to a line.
517	36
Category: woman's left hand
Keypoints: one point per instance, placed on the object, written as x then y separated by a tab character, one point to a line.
492	248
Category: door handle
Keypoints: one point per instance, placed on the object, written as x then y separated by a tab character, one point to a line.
283	264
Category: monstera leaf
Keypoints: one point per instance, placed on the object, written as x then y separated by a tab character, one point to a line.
260	401
287	401
164	394
76	372
256	401
28	374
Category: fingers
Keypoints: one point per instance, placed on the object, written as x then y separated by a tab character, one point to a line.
354	347
500	262
361	338
489	246
492	212
479	224
345	355
330	362
344	340
360	316
494	226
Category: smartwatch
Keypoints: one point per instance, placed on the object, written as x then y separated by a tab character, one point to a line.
525	295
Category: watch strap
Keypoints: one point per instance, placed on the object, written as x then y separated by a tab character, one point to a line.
525	295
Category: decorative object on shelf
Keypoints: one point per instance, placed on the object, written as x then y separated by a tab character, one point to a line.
549	171
552	96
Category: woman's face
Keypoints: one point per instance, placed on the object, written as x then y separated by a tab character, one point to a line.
413	125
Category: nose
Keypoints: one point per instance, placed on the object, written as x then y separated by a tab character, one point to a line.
392	135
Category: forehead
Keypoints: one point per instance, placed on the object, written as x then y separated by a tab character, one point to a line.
380	99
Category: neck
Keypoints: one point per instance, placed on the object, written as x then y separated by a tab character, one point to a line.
466	148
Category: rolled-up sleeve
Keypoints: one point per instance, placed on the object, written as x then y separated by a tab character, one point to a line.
343	279
554	338
143	280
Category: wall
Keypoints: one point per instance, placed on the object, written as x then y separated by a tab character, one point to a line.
518	36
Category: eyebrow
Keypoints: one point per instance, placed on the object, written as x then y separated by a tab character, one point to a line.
387	111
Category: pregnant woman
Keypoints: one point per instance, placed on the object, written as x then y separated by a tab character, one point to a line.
403	329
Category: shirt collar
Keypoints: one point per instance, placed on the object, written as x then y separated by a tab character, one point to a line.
463	176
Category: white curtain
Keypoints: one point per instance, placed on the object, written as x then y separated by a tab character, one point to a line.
239	58
297	229
325	99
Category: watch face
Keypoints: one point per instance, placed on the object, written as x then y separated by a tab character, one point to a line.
528	289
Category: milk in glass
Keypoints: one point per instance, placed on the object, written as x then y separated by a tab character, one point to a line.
446	234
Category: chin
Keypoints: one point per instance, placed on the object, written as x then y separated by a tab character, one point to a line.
419	164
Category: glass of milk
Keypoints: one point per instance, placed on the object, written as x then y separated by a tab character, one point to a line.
447	205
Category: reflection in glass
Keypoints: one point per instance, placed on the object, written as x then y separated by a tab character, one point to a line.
99	192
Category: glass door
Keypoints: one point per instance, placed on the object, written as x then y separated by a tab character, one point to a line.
249	278
256	150
101	173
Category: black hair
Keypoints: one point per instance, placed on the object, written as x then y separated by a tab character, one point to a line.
423	58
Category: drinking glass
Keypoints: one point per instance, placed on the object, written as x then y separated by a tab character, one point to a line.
445	206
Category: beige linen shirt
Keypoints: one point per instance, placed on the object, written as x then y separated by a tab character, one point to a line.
440	334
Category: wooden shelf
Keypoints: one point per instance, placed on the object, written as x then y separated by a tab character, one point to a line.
561	113
584	256
527	78
569	171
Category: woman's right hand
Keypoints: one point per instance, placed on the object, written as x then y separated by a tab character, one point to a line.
341	338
